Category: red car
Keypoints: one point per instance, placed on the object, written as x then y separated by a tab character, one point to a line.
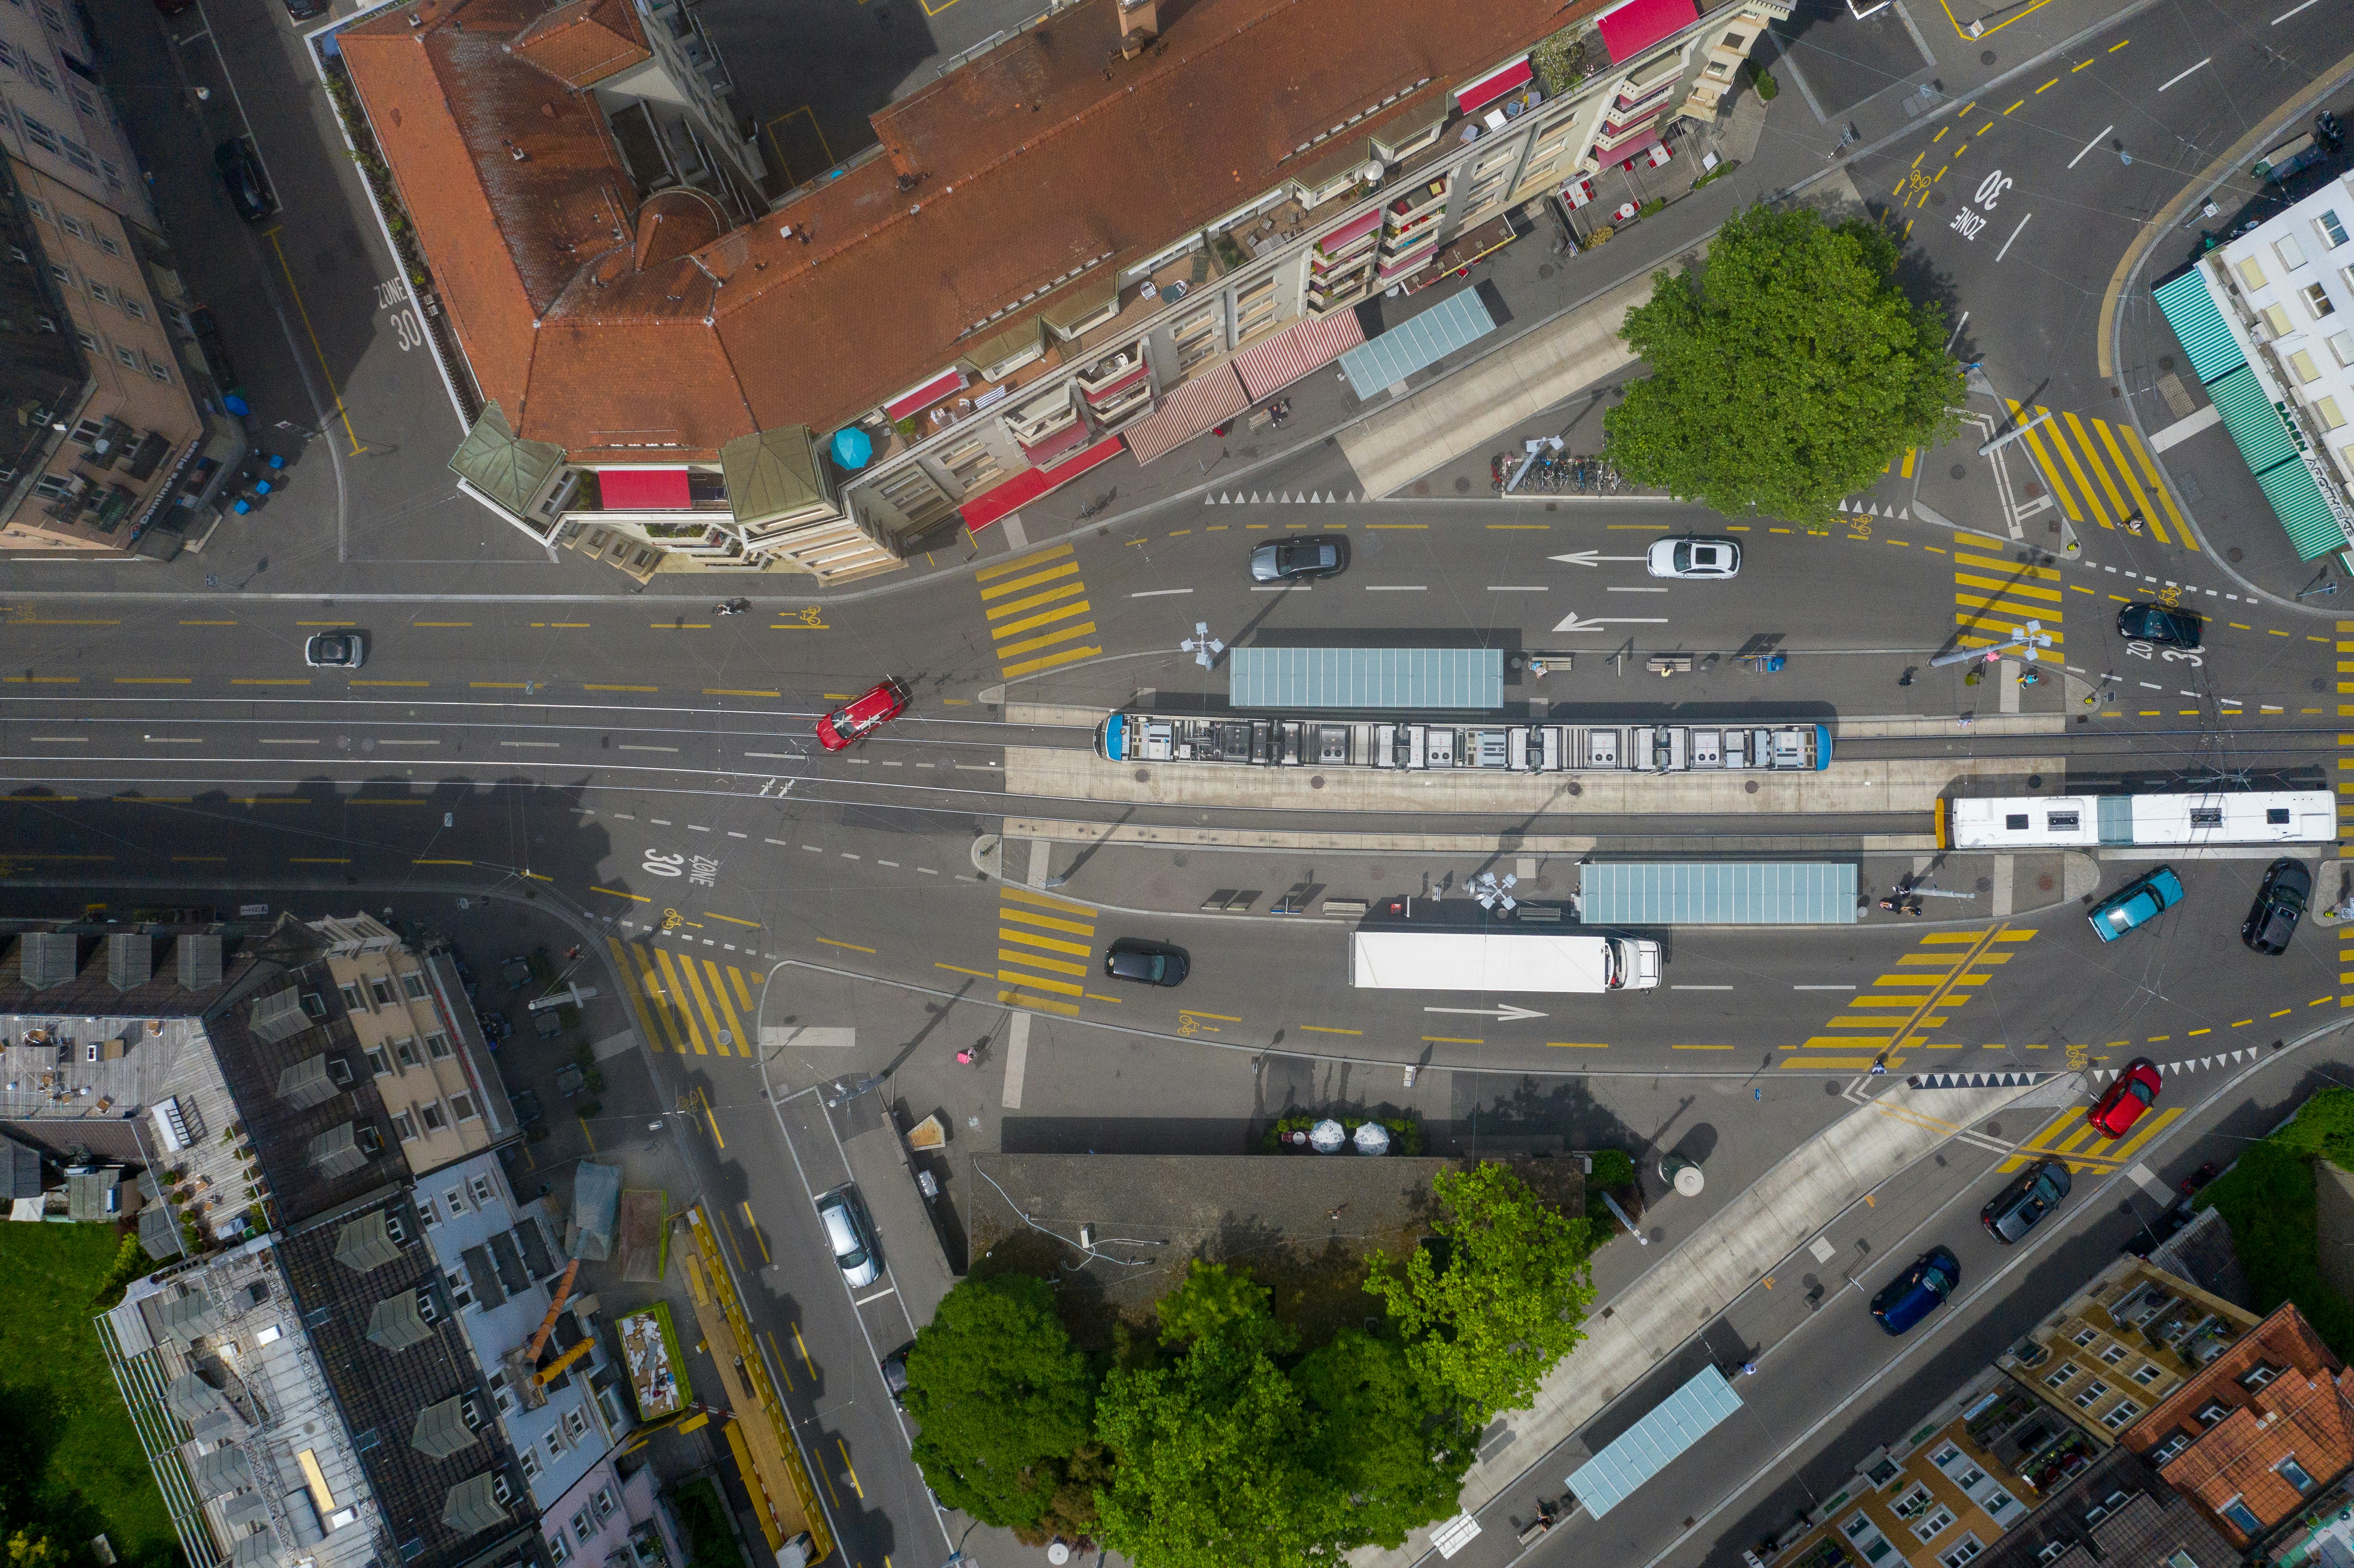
2134	1093
854	719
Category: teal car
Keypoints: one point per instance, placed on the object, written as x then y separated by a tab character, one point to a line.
2138	903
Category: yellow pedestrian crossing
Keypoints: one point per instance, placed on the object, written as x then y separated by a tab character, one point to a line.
1994	594
1037	611
1906	1009
689	1005
2103	474
2070	1137
1047	952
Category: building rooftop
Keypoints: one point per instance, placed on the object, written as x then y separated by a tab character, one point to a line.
1047	160
2117	1513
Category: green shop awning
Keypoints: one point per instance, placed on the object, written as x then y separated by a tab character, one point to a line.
2189	308
2312	527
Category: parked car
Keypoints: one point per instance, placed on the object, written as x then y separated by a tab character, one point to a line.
336	651
1692	558
843	1219
2135	1090
2280	901
2138	903
2146	622
547	1025
2031	1194
1146	963
240	171
886	700
894	1374
304	10
516	970
1918	1291
1303	560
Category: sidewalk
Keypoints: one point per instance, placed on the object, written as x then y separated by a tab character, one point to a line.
1749	1238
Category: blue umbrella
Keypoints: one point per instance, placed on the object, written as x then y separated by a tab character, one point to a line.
851	447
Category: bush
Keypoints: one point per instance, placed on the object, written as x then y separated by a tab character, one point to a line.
703	1515
1762	79
131	1262
1613	1167
1648	208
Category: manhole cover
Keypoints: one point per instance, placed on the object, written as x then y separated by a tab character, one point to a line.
1959	470
2233	554
2166	361
1749	786
2318	683
1317	782
2035	780
1462	487
1144	776
1421	487
1986	56
2043	883
1578	789
1994	1130
1545	270
1939	198
1177	860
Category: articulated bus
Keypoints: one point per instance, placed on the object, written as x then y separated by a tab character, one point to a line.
2092	821
1498	747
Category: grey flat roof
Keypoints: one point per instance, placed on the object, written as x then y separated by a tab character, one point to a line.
1648	1446
1718	893
1397	679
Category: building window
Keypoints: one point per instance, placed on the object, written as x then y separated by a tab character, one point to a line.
378	1062
2085	1336
131	307
2252	272
606	1502
559	1551
100	293
527	1457
353	1001
89	341
126	357
44	76
583	1527
405	1050
2326	410
461	1106
575	1423
2294	1474
1933	1524
412	985
2316	302
1916	1499
2113	1355
2092	1392
1960	1551
1867	1538
2333	233
2243	1516
2341	347
484	1194
106	244
461	1291
405	1127
81	98
70	224
2276	319
380	989
2258	1375
2116	1420
156	368
36	208
2146	1373
435	1117
113	174
455	1197
2058	1379
2290	254
553	1442
2171	1447
437	1046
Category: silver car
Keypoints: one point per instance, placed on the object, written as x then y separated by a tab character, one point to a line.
1692	558
847	1231
1302	559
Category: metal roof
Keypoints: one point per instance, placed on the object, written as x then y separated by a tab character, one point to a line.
1719	893
1648	1446
2189	308
1417	343
2303	509
1395	678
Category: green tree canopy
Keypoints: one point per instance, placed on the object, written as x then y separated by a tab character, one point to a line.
1787	369
1394	1444
1485	1324
1003	1397
1216	1301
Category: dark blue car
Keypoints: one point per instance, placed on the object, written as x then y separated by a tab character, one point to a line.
1919	1291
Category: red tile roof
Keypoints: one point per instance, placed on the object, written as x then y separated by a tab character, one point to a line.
584	41
2302	1413
1048	154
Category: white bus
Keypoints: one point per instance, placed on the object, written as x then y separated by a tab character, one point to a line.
1501	962
2092	821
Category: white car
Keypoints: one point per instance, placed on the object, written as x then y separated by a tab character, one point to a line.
843	1219
336	651
1692	558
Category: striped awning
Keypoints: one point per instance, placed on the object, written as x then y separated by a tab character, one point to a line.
1356	227
2252	421
1296	351
1191	409
2190	308
2304	510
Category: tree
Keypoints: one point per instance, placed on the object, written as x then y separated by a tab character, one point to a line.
1212	1471
1002	1398
1485	1325
1214	1301
1396	1444
1787	369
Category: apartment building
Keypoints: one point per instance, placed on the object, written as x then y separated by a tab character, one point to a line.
422	1042
1078	280
535	1340
2119	1513
2129	1341
2260	1429
611	1519
104	346
2267	321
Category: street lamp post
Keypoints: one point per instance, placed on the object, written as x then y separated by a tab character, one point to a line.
2030	640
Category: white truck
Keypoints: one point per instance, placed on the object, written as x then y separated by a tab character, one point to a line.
1501	962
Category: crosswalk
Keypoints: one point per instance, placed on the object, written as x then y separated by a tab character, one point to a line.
1047	950
2072	1138
1907	1007
689	1005
1993	593
1037	610
2097	471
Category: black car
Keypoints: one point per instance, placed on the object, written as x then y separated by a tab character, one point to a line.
304	10
894	1374
1302	559
2166	628
240	171
2280	900
1146	963
2032	1193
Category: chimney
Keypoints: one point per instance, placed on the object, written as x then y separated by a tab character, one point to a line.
1140	24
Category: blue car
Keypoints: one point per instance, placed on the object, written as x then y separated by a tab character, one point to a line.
1918	1291
2138	903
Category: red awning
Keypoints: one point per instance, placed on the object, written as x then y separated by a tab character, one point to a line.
1055	445
1297	351
924	397
1027	486
1350	230
1478	95
1191	409
1110	389
643	488
1638	24
1630	149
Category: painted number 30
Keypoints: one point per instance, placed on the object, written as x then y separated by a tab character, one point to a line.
1991	189
406	330
660	865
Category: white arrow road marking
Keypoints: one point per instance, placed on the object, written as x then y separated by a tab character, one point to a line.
1572	624
1590	557
1507	1012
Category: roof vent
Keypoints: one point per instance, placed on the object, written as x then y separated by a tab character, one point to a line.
47	957
200	961
279	1016
415	20
130	959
